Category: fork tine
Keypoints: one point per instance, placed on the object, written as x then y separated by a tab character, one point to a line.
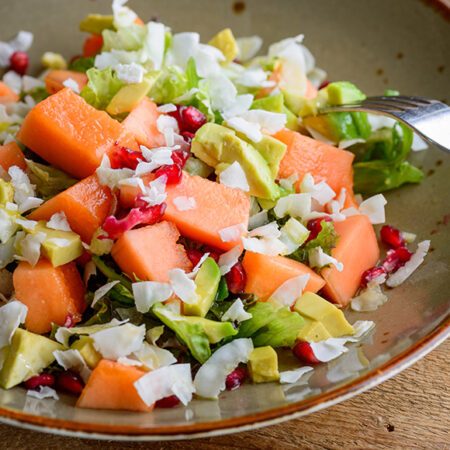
393	101
403	99
389	107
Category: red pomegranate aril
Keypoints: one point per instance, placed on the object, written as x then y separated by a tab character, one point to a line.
192	119
391	261
68	323
74	58
315	227
167	402
304	353
173	173
19	62
179	157
70	382
391	236
123	157
194	255
236	278
371	274
324	84
236	378
188	136
404	255
44	379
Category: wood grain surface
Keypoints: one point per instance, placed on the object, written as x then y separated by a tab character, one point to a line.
412	410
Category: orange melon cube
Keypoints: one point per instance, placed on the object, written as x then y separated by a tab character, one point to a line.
265	274
111	386
357	249
11	155
7	95
150	252
50	293
55	78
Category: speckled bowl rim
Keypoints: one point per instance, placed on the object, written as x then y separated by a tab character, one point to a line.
237	424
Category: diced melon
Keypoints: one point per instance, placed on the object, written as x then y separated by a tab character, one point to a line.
111	386
50	293
11	155
357	249
7	95
55	79
265	274
86	205
150	252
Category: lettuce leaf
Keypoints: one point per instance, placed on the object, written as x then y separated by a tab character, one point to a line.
82	64
170	84
262	313
102	86
129	38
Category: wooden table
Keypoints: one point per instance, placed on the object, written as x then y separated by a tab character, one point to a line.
412	410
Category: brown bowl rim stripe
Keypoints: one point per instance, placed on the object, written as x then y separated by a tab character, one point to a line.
104	431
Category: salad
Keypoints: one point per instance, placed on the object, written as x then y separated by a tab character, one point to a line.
175	215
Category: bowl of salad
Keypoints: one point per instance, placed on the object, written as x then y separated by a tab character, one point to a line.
187	246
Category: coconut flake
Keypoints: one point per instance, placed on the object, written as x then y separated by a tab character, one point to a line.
234	176
228	259
318	258
11	316
369	299
167	108
119	341
111	177
27	224
290	290
289	182
72	359
147	293
59	242
294	205
418	143
320	192
182	286
199	264
164	382
318	136
30	247
183	203
258	220
58	221
43	392
269	231
292	376
13	80
210	379
236	312
155	193
240	105
254	77
251	130
30	203
232	233
72	84
248	47
30	83
373	208
183	47
401	274
271	247
123	16
409	238
102	291
130	73
270	122
154	357
8	226
154	44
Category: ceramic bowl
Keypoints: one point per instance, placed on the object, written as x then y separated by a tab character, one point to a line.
377	44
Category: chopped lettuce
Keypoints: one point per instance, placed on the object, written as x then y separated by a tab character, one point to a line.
38	94
102	86
170	84
49	180
262	314
82	64
129	38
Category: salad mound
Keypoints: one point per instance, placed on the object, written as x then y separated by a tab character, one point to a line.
175	215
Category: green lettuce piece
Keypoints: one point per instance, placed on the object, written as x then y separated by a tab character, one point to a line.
281	331
170	84
38	94
110	273
82	64
192	77
327	239
49	180
262	314
102	86
101	315
129	38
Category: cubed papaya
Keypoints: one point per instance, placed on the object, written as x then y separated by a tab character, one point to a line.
55	79
11	155
7	95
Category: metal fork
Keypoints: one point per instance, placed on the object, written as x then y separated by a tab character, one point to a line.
428	118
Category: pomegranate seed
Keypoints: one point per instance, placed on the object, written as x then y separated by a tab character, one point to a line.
391	261
188	136
179	157
194	255
123	157
167	402
236	278
74	58
188	118
404	255
315	227
324	84
236	378
70	382
391	236
371	274
44	379
304	353
19	62
172	173
68	323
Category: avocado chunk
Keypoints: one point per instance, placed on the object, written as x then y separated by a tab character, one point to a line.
314	331
60	247
292	122
129	96
272	103
225	42
85	345
207	281
195	166
96	23
6	192
343	92
263	365
317	308
217	145
301	106
25	357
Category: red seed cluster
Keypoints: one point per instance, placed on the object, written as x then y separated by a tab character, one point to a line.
123	157
19	62
236	378
44	379
391	237
69	381
189	119
236	279
304	353
168	402
315	227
